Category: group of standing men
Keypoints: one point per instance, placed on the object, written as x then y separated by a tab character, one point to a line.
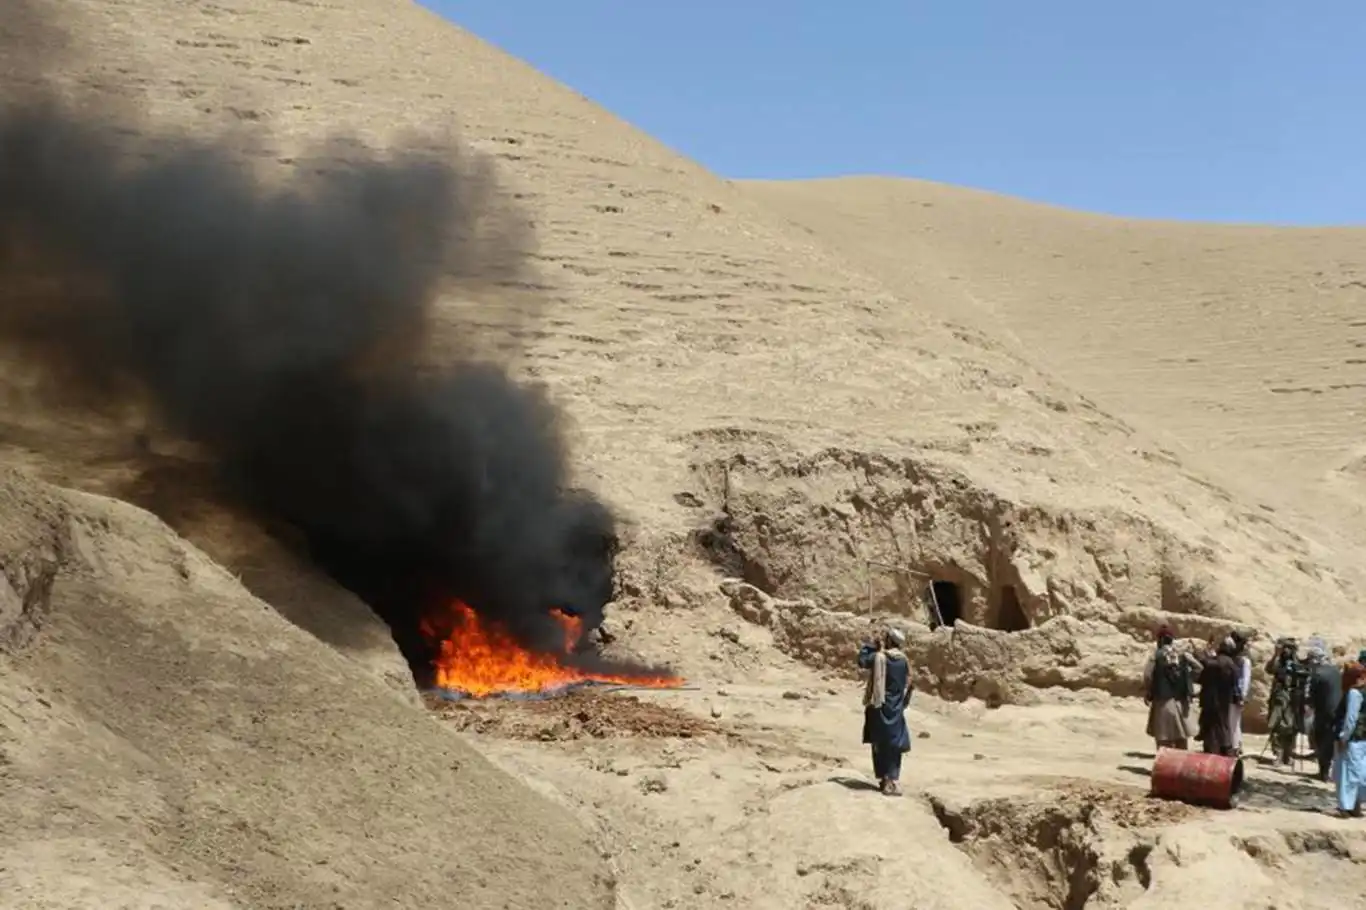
1313	695
1223	673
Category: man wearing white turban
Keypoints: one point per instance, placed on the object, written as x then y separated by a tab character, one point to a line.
885	698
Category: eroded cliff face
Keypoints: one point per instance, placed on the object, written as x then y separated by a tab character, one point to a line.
1000	597
967	661
870	533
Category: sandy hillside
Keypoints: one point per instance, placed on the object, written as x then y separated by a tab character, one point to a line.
1242	347
715	359
167	740
761	405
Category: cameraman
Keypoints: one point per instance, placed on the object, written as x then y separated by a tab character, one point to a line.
1285	705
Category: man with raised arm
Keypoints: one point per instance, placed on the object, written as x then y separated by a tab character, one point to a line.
886	695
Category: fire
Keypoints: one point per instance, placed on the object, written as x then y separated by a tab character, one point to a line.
480	659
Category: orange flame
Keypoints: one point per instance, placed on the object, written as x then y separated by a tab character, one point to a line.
480	659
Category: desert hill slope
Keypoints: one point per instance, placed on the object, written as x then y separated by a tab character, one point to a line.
754	403
716	360
1242	347
168	740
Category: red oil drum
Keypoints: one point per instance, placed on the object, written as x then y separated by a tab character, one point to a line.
1198	778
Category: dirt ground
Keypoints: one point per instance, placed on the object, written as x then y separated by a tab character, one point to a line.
760	796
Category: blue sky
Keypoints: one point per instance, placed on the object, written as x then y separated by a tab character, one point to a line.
1227	110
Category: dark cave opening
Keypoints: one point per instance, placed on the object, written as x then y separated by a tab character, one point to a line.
397	586
1010	615
946	599
717	542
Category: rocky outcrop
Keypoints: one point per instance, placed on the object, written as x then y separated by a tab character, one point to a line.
823	547
871	533
968	661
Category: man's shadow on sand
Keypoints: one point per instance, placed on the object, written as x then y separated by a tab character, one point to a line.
854	783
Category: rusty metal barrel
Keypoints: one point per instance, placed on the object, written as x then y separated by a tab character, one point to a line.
1198	778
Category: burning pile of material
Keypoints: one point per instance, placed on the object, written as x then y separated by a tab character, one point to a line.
288	331
477	659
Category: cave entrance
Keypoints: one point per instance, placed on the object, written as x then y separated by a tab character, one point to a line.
397	584
1010	616
945	595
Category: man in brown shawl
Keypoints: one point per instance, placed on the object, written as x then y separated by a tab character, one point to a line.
1167	692
1218	691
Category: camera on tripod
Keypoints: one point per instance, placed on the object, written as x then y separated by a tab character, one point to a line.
1295	671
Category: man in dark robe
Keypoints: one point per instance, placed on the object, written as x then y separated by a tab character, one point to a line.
1218	690
1325	696
885	699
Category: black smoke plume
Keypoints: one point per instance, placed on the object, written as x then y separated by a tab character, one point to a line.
285	326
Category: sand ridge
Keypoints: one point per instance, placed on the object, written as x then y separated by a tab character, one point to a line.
1238	345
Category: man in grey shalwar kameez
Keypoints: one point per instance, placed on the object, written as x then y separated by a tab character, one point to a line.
885	698
1167	692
